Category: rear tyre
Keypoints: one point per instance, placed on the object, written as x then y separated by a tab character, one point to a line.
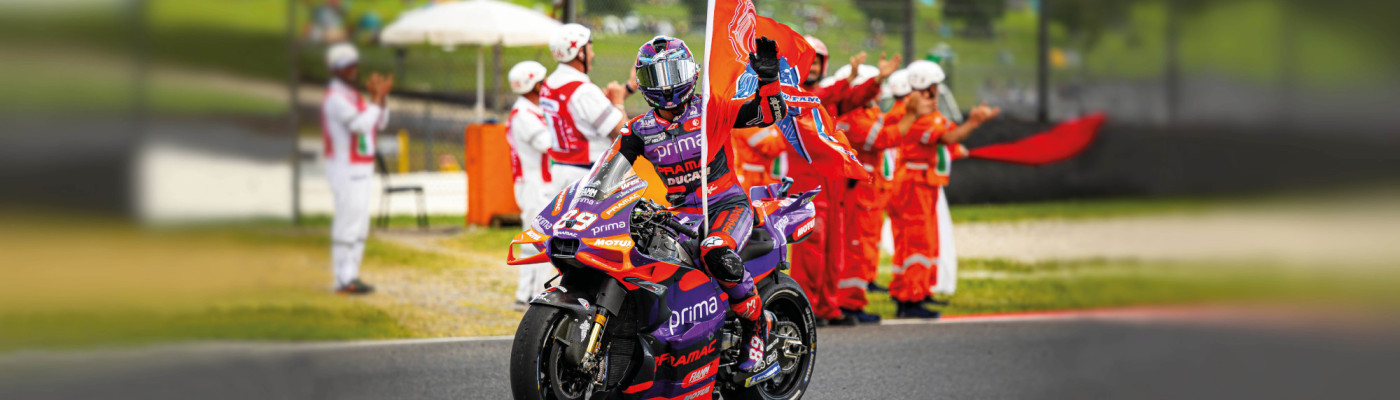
795	319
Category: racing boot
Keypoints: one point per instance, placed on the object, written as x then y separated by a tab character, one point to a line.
914	310
748	305
861	316
875	287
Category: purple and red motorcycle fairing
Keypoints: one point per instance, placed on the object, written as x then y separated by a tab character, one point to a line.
633	315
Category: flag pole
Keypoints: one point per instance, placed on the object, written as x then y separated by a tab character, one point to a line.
705	124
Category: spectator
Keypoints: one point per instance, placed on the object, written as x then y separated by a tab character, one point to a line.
529	139
349	124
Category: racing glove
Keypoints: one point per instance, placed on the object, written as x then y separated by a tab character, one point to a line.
765	64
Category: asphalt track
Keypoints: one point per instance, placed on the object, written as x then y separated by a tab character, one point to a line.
992	358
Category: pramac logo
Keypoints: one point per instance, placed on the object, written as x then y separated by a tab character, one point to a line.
741	30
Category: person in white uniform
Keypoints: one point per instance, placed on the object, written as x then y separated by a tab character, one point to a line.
584	118
529	140
349	122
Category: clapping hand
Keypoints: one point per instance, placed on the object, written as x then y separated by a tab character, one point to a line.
887	66
982	113
379	87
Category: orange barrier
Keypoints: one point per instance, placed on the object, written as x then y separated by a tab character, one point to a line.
490	190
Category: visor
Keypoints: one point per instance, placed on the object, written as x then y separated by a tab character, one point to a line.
667	73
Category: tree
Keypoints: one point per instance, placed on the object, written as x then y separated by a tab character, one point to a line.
890	11
608	7
976	15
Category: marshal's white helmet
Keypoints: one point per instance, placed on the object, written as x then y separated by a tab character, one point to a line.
525	75
341	55
923	74
568	41
820	48
898	83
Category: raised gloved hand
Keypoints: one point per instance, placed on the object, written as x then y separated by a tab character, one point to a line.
765	60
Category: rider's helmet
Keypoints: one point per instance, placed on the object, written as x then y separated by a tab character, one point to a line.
924	74
666	72
567	42
899	83
525	75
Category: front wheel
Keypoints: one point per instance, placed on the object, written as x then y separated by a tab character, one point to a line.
537	369
793	339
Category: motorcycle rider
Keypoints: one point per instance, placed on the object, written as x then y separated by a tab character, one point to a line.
669	136
584	118
928	142
529	138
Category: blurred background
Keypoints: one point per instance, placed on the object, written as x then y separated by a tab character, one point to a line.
162	181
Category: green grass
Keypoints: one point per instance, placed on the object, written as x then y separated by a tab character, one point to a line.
1077	209
301	317
999	286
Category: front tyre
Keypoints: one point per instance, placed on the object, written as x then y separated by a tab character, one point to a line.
795	333
537	371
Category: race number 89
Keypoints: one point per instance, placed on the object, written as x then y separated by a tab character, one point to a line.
583	220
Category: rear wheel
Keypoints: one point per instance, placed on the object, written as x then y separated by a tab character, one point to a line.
537	368
795	335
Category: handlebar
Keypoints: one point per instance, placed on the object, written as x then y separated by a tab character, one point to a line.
682	229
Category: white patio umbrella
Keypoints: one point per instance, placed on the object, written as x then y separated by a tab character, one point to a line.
477	22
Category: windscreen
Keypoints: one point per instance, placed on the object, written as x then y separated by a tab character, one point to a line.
611	174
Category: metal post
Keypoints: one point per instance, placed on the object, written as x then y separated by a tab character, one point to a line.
1042	72
480	83
293	72
496	105
910	19
1172	78
569	11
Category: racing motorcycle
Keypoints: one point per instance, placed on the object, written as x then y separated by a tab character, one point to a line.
633	316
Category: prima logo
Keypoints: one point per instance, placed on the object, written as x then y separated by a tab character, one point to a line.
693	313
608	227
541	222
678	147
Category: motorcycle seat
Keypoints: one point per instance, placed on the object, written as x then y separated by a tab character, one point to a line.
760	244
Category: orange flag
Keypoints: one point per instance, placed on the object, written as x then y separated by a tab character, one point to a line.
729	37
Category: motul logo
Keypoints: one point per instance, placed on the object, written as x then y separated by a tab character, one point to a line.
805	228
612	243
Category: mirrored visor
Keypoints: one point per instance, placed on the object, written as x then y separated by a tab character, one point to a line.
665	74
